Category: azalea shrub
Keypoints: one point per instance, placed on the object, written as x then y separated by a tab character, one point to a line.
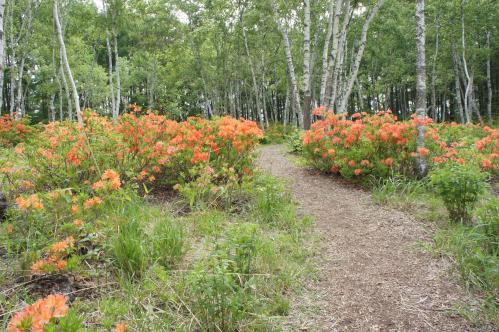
145	148
69	175
380	145
14	131
169	151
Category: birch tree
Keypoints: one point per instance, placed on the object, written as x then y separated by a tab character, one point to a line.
489	81
420	85
347	85
2	52
289	60
307	93
64	57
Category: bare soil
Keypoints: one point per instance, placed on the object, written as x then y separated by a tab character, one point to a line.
373	274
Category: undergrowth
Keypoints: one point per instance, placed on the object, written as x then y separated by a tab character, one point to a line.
218	269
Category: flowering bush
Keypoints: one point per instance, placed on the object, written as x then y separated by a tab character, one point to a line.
169	150
13	131
145	148
380	145
68	187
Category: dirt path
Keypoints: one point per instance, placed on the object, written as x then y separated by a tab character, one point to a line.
373	276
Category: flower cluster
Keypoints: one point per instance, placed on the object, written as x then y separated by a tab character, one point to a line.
56	257
31	202
163	147
361	145
380	144
110	180
13	131
35	316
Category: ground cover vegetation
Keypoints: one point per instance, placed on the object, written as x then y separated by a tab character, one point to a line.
88	248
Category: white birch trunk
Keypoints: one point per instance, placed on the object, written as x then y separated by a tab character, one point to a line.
110	74
2	52
291	67
253	76
489	83
457	85
434	75
469	80
358	58
325	52
340	54
307	93
117	73
333	55
285	113
420	84
76	97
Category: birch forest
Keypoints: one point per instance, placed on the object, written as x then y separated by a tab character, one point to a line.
249	165
268	61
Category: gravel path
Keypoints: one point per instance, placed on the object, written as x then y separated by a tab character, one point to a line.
372	274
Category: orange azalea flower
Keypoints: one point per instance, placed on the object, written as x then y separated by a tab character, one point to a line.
388	162
74	209
358	171
78	223
63	245
352	163
40	266
486	163
31	202
423	151
121	327
22	203
364	162
98	185
60	265
39	314
20	149
92	202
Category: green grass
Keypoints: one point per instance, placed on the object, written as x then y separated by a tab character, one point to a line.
212	269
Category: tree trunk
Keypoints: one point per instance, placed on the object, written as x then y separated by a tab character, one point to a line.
19	82
434	74
420	84
325	52
110	71
339	37
2	52
253	75
285	113
66	89
457	86
489	83
117	72
307	93
358	58
291	67
469	80
66	63
52	107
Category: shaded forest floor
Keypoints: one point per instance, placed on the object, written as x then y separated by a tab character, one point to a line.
372	271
